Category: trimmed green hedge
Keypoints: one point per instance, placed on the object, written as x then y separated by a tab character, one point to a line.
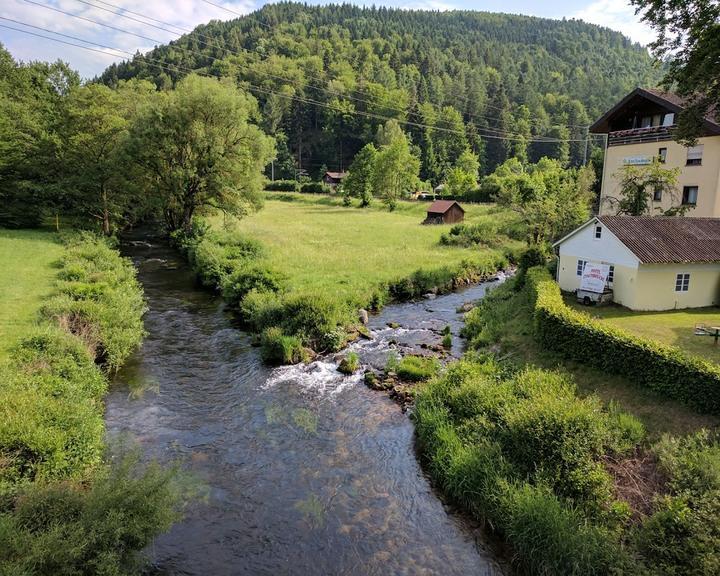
576	336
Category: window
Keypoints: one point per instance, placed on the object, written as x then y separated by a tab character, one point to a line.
682	283
662	155
690	195
611	274
646	122
580	266
669	119
657	195
598	232
694	155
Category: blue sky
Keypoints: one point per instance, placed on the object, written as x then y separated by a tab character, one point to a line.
186	14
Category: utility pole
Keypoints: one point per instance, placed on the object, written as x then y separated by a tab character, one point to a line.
272	170
587	139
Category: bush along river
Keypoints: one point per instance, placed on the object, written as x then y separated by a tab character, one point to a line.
305	471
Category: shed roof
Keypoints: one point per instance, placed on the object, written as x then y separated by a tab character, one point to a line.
336	175
658	239
442	206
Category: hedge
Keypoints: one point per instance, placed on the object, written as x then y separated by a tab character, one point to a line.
282	186
577	336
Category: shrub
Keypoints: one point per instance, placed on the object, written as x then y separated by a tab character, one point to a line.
521	451
282	186
350	364
417	368
244	279
68	528
662	368
278	348
485	233
447	341
315	188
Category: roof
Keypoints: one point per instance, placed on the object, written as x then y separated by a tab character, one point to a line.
336	175
442	206
669	100
657	239
663	239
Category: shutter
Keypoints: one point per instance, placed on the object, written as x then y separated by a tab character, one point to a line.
695	152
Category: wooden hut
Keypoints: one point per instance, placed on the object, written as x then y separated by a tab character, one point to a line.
332	179
444	212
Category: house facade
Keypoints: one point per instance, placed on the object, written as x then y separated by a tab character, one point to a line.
655	263
638	130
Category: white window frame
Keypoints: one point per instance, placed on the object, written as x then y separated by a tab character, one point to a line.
682	282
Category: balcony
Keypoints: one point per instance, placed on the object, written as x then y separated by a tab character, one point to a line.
639	135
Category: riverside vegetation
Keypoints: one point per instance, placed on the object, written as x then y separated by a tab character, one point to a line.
301	297
66	506
575	485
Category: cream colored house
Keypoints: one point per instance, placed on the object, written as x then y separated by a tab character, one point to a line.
639	129
656	263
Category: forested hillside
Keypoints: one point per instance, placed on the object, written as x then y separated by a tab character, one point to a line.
327	77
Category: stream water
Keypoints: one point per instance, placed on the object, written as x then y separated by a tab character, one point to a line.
306	471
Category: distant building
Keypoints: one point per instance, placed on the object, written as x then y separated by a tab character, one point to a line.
655	263
444	212
639	129
334	178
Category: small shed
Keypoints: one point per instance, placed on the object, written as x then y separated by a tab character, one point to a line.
444	212
334	178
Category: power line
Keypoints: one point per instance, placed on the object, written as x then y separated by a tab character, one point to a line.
253	87
496	131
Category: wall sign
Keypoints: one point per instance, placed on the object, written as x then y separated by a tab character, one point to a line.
637	160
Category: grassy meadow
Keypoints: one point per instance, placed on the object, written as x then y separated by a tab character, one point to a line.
27	277
674	327
345	252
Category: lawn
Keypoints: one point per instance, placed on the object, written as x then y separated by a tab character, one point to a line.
26	278
325	247
675	327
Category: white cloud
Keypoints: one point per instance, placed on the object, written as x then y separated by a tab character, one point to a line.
183	14
618	15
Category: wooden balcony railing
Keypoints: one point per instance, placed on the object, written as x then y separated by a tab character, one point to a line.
639	135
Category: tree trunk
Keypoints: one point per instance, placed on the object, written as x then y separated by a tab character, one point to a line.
105	211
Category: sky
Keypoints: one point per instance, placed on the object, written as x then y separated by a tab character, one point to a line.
183	15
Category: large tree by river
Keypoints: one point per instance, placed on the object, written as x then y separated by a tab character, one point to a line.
198	149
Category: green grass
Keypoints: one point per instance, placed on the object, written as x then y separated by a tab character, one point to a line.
27	277
675	327
345	253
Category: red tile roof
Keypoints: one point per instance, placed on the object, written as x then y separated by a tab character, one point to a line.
442	206
658	239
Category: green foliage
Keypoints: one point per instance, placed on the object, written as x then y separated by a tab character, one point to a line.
524	453
417	368
688	47
198	148
282	186
358	183
396	170
446	278
683	535
550	199
278	348
315	188
447	341
662	368
483	233
350	364
99	299
70	528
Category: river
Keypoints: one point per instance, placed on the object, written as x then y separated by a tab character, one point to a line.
304	471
